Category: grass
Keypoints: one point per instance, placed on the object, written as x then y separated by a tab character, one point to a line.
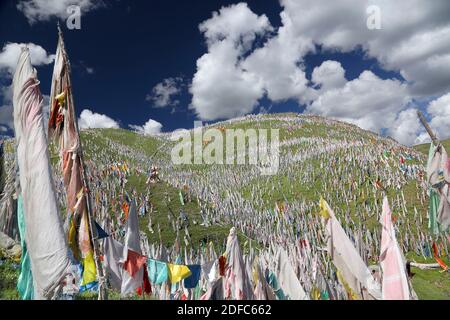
163	197
9	274
430	284
426	146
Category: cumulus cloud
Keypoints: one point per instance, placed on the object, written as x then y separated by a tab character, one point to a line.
221	87
89	119
406	128
44	10
439	111
236	23
329	75
277	64
367	101
11	52
151	127
416	46
164	93
237	71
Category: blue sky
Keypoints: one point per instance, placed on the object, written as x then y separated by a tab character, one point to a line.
213	60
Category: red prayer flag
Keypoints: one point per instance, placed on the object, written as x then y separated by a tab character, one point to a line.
134	262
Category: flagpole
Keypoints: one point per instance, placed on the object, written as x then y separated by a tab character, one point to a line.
102	293
427	127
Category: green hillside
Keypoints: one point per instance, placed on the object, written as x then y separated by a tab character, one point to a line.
426	146
319	157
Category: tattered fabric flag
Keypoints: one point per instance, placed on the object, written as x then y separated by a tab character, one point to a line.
178	272
25	281
262	289
394	283
432	211
134	262
273	282
215	291
132	281
158	271
63	129
100	232
436	257
438	174
48	250
89	277
113	251
192	281
287	279
237	281
146	286
126	209
353	273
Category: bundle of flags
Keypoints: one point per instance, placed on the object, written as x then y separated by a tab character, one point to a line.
125	264
438	177
395	284
45	261
352	272
63	129
160	272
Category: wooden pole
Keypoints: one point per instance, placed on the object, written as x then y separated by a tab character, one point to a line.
427	127
102	293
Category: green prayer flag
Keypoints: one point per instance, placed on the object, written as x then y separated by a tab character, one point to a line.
25	281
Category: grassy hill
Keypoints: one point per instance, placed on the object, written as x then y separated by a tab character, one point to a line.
426	146
319	157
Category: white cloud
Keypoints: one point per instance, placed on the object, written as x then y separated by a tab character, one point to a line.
416	45
89	119
439	111
11	52
233	75
164	92
367	101
431	76
44	10
151	127
329	75
221	87
277	65
236	23
406	128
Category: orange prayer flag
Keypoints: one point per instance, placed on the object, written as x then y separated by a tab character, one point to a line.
125	208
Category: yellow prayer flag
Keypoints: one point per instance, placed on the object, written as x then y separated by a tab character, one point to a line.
61	98
323	208
351	294
89	270
178	272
